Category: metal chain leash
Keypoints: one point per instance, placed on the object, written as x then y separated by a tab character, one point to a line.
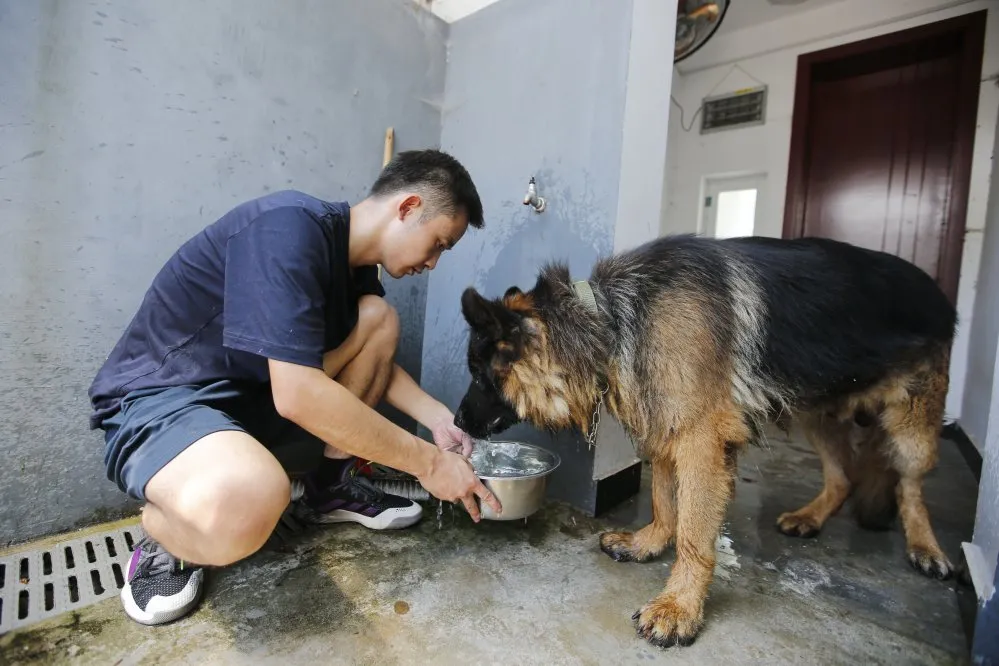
591	437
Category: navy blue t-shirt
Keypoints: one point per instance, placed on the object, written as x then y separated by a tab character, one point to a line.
270	279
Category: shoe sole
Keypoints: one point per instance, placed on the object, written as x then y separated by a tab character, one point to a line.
153	615
387	520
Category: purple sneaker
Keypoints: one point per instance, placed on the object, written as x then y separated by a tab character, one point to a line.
350	497
159	588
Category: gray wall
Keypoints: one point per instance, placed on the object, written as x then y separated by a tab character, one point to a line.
524	100
125	127
987	515
984	324
980	416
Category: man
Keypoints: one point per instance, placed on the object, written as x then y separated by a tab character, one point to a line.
259	351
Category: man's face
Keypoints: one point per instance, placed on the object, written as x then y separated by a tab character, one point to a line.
412	245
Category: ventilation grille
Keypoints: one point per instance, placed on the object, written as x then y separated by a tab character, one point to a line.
38	584
743	108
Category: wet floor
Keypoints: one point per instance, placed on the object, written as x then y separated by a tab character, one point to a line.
543	593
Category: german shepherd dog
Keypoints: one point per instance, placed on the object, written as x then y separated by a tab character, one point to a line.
696	344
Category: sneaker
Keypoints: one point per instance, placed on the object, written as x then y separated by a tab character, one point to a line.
159	588
353	498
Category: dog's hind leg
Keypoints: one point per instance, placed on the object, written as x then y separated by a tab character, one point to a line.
650	541
703	490
830	439
912	417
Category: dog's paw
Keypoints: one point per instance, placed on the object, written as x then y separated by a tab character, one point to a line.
795	525
620	546
933	564
664	623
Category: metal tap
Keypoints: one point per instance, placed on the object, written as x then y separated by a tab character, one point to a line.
532	199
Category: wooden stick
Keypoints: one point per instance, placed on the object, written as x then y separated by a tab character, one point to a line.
389	146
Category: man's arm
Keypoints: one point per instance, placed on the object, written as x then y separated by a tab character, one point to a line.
329	411
405	394
335	415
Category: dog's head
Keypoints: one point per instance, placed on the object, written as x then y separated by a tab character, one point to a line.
514	377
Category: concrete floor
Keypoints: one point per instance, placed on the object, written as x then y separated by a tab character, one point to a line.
543	593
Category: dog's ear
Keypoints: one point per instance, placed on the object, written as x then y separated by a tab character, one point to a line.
491	318
512	291
479	313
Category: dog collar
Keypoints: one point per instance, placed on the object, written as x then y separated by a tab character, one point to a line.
585	293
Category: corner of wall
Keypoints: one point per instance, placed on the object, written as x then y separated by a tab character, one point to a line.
642	195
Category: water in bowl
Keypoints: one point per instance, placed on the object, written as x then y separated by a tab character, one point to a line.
507	459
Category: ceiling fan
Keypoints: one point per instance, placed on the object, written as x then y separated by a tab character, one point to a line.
696	23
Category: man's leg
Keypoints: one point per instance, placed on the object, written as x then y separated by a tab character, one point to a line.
363	364
215	503
212	493
218	501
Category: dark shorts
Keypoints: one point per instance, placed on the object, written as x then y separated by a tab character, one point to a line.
154	426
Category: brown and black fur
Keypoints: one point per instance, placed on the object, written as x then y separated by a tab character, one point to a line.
699	343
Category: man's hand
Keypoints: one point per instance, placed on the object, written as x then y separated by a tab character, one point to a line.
451	478
449	437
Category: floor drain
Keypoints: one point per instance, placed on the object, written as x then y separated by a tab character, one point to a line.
37	584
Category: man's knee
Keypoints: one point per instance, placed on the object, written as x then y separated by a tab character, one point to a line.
375	336
235	511
378	320
239	517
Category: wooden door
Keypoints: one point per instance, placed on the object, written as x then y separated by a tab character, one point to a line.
881	143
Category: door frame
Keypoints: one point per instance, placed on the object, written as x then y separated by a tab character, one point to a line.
971	28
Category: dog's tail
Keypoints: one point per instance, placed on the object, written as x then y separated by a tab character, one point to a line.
874	481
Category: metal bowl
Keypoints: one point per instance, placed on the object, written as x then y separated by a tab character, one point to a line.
516	473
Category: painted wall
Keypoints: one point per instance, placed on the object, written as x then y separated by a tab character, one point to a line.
980	418
454	10
986	536
984	329
767	53
129	125
508	117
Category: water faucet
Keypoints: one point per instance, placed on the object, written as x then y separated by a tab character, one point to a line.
532	198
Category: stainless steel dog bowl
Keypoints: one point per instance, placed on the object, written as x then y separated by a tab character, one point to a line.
516	473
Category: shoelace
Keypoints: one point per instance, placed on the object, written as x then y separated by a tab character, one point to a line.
361	488
156	559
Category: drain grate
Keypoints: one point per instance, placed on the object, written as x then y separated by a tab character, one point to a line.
63	576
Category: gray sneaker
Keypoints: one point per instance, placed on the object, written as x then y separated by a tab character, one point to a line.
159	588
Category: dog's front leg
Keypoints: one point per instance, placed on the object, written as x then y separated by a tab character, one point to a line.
703	485
650	541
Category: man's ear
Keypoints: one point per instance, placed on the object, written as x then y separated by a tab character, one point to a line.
408	206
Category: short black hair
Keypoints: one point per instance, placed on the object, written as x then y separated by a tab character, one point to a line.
444	183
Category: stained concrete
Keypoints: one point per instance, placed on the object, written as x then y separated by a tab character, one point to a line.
541	592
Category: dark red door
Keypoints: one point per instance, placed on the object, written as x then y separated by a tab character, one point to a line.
883	161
